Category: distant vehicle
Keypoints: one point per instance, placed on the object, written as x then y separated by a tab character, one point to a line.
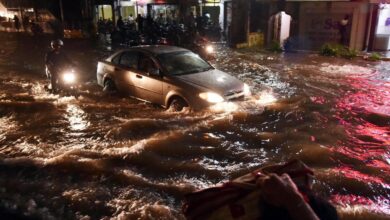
170	76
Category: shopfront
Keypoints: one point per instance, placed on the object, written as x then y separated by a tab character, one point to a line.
168	11
128	8
104	12
138	7
382	33
212	9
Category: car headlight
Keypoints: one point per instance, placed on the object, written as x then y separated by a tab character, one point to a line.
211	97
69	77
209	49
247	90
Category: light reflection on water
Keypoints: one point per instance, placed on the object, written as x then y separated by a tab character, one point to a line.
76	117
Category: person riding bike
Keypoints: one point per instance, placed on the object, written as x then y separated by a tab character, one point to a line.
56	61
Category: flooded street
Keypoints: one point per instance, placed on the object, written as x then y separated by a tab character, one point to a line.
101	156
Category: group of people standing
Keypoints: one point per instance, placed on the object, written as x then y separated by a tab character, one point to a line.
145	24
13	22
25	24
107	25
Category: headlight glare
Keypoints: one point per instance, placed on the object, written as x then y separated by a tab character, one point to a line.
69	77
209	49
211	97
247	90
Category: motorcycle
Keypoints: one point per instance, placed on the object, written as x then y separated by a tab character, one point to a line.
203	47
206	51
66	81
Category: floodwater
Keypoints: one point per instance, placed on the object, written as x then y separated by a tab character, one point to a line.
101	157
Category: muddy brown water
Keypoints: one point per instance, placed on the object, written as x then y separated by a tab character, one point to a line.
101	156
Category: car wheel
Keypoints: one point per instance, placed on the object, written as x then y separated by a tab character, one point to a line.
109	86
178	104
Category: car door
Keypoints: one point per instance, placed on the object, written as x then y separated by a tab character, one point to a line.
149	84
125	72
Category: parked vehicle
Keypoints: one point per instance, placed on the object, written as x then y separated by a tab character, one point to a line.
172	77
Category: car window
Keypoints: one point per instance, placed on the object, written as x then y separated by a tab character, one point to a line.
179	63
129	59
115	60
146	65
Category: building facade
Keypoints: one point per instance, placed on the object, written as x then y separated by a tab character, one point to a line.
169	9
313	23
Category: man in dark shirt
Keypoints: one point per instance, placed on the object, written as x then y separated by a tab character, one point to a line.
56	61
140	23
343	29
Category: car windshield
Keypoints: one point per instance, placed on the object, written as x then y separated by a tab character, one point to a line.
180	63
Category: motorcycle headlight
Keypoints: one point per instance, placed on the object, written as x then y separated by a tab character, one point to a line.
209	49
211	97
69	77
247	90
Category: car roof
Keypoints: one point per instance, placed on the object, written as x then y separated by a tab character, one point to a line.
158	49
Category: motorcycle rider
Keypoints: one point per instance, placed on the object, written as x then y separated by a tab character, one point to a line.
56	60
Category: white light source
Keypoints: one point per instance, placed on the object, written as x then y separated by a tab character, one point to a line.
247	90
211	97
224	107
209	49
266	98
69	77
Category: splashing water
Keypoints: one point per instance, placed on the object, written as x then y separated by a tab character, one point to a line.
100	156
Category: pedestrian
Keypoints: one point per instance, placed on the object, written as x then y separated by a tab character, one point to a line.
190	21
140	23
131	22
120	24
199	23
343	29
16	23
160	19
109	26
26	22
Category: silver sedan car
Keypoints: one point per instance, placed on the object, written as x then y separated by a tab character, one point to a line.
170	76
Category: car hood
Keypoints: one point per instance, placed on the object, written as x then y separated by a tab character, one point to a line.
214	80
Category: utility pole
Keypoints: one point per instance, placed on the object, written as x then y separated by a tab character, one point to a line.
62	12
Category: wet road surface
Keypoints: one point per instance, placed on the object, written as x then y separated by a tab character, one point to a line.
102	156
